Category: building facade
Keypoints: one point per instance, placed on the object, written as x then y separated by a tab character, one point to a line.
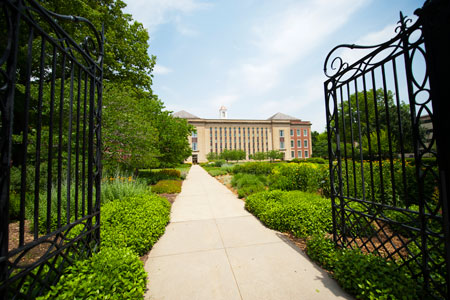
281	132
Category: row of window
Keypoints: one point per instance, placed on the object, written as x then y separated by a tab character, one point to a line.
305	132
299	154
238	131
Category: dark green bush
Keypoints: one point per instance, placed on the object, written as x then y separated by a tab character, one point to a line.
372	277
219	163
112	273
317	160
301	213
255	168
134	222
167	187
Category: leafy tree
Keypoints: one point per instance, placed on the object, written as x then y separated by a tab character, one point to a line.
259	156
212	156
275	154
319	143
375	109
233	155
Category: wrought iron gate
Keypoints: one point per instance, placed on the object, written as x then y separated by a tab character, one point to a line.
50	105
388	129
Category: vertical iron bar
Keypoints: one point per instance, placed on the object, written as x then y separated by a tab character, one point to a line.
37	167
60	139
7	118
358	114
345	139
352	139
372	185
83	167
377	123
69	145
388	123
50	141
401	137
23	183
77	143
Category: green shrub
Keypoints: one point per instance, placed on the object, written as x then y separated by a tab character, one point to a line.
316	160
171	172
112	273
219	163
372	277
255	168
134	222
322	250
303	177
167	187
301	213
248	184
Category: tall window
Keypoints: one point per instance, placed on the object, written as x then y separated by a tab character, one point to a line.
194	146
298	132
306	154
281	145
292	154
305	132
281	132
292	132
305	143
299	154
299	143
292	144
194	134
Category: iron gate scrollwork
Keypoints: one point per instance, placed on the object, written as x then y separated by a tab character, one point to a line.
50	105
388	162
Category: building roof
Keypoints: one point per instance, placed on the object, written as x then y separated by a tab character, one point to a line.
184	115
281	116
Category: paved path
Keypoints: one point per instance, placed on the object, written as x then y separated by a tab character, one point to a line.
214	249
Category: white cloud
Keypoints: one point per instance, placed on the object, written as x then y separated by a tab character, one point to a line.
153	13
161	70
286	38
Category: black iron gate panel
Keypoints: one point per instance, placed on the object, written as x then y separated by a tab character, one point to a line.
387	176
50	105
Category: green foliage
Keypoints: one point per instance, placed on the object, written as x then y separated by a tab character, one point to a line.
153	176
256	168
317	160
247	184
275	154
215	171
305	177
301	213
322	250
212	156
167	187
112	273
134	222
259	156
118	187
218	163
236	155
319	143
372	277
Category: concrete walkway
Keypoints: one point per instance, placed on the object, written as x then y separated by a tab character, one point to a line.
214	249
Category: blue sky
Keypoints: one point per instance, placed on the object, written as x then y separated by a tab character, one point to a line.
256	57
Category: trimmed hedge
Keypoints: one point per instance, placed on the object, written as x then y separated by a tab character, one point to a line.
305	177
167	187
134	222
301	213
112	273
